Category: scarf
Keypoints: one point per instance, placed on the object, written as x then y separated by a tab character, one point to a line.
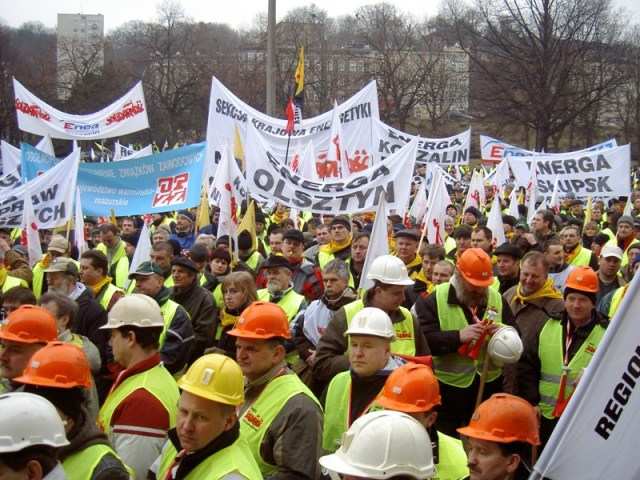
420	277
547	291
46	259
228	318
95	289
573	254
3	275
333	247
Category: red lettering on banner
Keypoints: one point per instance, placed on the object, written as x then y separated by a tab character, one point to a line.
496	151
359	161
326	168
171	190
129	110
32	110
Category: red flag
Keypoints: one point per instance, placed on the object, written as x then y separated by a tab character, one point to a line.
291	112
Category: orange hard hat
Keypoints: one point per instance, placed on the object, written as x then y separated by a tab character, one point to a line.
59	365
475	267
504	418
583	279
411	388
262	320
29	324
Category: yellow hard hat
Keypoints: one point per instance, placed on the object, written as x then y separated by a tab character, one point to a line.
215	377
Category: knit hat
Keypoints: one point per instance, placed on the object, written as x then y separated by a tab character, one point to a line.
341	220
222	254
626	219
590	295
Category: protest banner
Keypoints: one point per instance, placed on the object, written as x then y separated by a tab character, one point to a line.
51	195
122	152
596	436
163	182
454	150
126	115
10	157
603	173
9	181
268	179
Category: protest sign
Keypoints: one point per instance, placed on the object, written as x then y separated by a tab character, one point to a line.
126	115
9	181
51	195
122	152
268	179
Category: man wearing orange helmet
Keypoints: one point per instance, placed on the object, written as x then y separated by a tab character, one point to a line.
554	359
60	373
280	419
413	389
457	319
26	330
500	438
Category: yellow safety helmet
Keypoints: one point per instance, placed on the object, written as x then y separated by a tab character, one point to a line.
215	377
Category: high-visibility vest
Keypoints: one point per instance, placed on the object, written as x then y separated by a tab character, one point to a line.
37	281
168	310
616	298
157	381
454	369
236	458
81	464
106	294
452	459
290	302
255	422
253	260
324	258
583	258
119	265
550	351
336	412
218	298
11	281
449	244
404	342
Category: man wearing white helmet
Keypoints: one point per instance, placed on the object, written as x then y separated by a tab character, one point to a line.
32	433
351	393
390	278
141	406
383	445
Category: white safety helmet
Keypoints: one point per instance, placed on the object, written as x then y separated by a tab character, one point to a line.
381	445
136	310
371	321
505	346
27	420
390	270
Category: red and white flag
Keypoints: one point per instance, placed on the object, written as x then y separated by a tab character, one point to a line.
335	151
494	222
437	209
475	194
226	194
30	226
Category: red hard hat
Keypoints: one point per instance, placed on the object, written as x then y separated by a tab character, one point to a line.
29	324
261	321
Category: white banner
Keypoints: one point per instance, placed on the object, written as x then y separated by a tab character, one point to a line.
51	196
597	435
454	150
358	115
268	179
494	150
604	173
143	152
9	181
10	157
126	115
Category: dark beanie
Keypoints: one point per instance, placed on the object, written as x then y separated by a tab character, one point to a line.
590	295
222	254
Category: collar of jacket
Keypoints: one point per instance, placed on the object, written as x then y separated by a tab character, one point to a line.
163	295
260	382
183	293
347	296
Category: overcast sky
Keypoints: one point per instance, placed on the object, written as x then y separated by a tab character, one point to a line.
239	13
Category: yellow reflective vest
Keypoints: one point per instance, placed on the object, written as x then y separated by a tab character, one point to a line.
81	464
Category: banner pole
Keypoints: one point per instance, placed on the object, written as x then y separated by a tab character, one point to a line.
483	377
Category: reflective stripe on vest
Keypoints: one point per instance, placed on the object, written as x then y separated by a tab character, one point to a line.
290	302
405	342
81	465
452	368
255	422
452	459
168	310
236	458
11	281
157	381
582	259
336	414
550	353
107	294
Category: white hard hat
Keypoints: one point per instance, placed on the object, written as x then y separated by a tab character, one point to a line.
136	310
505	346
390	270
381	445
371	321
27	420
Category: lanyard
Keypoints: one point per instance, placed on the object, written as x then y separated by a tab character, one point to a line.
174	465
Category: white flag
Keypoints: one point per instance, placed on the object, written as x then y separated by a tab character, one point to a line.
307	168
378	243
335	151
78	230
554	203
46	145
475	194
597	434
226	194
142	252
500	177
494	223
436	210
30	224
531	192
513	204
419	205
628	207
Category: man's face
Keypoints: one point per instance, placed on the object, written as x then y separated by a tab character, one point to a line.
579	308
576	210
368	354
532	277
451	211
160	236
149	285
162	258
441	273
15	356
322	235
182	277
388	297
624	230
569	239
448	226
275	242
256	357
108	238
333	285
120	345
537	223
59	282
507	266
200	421
462	244
555	255
88	274
406	249
292	249
339	233
278	278
596	215
472	296
428	263
128	226
469	218
183	224
259	227
479	240
486	461
359	249
609	266
61	322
